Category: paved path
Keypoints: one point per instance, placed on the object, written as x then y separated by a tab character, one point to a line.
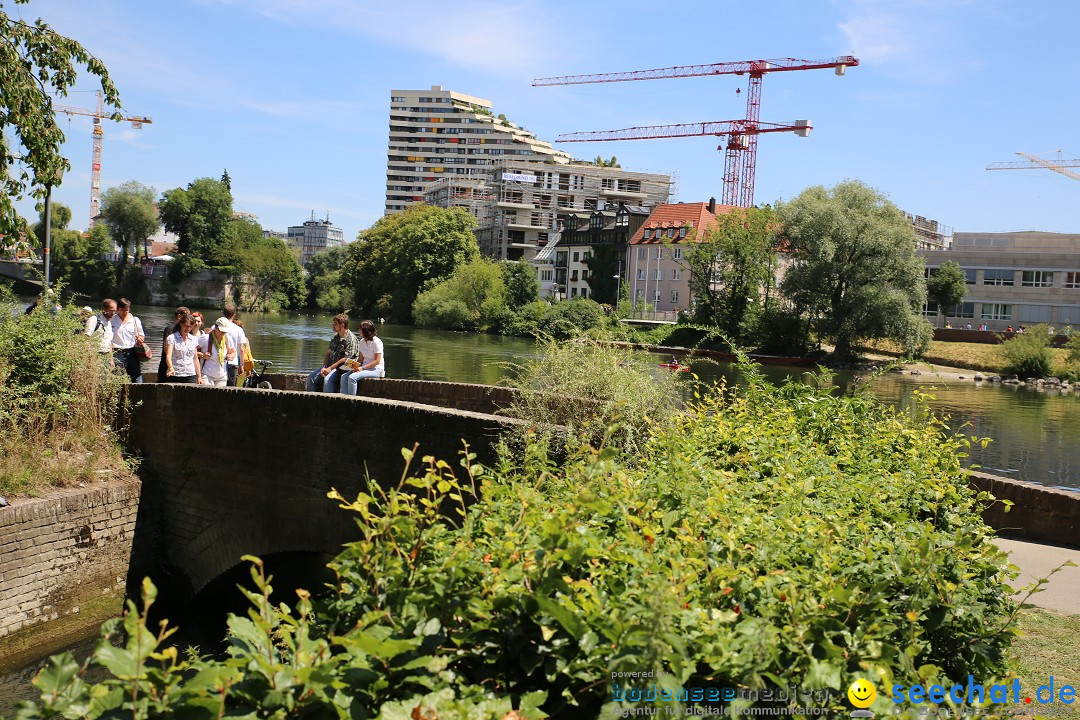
1062	593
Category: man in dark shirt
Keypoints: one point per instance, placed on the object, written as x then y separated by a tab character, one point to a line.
343	346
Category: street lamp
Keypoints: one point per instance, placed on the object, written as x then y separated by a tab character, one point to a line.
618	290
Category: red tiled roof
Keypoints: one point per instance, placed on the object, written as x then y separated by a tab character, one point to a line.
677	215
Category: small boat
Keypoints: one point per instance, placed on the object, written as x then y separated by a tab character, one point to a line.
675	367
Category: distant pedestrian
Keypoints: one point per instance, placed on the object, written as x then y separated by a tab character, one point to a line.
1009	329
128	334
169	329
967	326
182	354
100	327
982	327
216	348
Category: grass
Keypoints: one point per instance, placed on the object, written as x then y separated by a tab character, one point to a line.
972	356
1048	648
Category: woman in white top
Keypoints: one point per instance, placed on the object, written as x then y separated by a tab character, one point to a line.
371	359
216	349
127	332
182	354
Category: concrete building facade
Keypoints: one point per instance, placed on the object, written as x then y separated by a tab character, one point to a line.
1016	278
439	133
314	236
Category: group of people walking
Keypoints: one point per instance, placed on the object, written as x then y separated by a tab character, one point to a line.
188	353
348	359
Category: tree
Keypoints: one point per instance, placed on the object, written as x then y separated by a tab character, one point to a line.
946	286
128	211
855	273
731	269
226	180
199	215
35	63
325	289
522	287
404	253
472	298
265	271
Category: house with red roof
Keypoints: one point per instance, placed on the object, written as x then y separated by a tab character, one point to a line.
658	276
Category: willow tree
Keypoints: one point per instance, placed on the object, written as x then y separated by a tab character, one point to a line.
36	64
855	274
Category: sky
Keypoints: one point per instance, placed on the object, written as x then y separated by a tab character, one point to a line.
292	96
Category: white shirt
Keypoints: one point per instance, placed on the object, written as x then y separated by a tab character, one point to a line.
98	324
369	349
126	334
212	366
183	353
239	339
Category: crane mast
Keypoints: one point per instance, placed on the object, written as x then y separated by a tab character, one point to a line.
1035	162
740	158
98	114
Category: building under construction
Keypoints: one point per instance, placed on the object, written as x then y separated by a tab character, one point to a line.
520	206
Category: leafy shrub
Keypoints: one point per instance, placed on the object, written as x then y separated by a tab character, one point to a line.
570	318
57	401
595	389
184	266
1027	354
771	536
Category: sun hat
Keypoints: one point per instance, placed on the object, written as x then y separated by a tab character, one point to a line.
86	310
223	324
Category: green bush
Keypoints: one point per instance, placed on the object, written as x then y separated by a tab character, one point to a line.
571	318
769	536
184	266
1027	354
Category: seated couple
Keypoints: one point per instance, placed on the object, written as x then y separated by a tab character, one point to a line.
348	359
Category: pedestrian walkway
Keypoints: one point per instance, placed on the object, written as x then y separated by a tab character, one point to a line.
1062	593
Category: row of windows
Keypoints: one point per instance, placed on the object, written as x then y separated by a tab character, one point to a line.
659	232
674	253
1070	280
656	296
1005	311
659	274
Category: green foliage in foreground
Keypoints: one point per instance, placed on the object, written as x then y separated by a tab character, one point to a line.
771	536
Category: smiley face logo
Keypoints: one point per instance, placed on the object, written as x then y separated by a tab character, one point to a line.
862	693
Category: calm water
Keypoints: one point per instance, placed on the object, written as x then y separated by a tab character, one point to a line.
1036	434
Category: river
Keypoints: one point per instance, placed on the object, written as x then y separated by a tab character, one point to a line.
1035	434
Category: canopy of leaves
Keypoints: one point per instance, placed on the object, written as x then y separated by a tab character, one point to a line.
325	289
128	211
731	269
472	298
522	286
35	63
946	286
199	215
266	273
855	273
404	253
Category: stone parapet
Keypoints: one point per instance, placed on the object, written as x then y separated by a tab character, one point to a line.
1038	513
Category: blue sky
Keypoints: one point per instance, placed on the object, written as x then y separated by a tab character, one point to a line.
292	96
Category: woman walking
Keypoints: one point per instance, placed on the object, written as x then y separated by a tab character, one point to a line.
127	335
371	359
182	354
216	350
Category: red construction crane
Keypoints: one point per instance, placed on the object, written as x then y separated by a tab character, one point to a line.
95	169
740	163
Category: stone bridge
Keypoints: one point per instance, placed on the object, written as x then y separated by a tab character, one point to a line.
228	471
27	276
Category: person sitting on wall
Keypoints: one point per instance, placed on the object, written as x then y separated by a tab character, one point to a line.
982	327
343	346
1009	329
371	363
948	325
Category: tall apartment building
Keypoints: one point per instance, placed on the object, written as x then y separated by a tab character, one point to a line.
520	207
439	133
314	236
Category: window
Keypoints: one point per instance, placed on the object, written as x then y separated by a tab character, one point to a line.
641	273
929	309
676	275
995	311
573	292
641	253
545	275
1072	280
674	296
998	277
671	232
963	310
659	253
1037	278
676	253
648	234
656	296
1033	313
969	276
659	274
576	256
682	232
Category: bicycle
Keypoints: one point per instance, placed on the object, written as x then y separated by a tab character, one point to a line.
257	378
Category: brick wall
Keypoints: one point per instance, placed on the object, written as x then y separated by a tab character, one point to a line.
1039	513
461	396
229	472
63	563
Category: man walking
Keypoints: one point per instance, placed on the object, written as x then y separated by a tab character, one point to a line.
239	341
